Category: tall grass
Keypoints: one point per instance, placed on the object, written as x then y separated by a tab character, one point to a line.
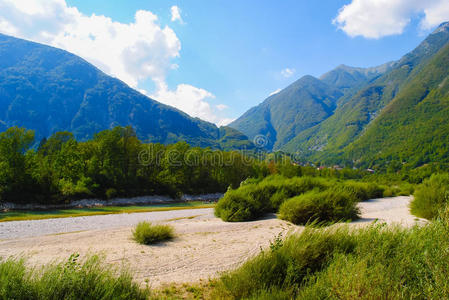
377	262
90	279
146	233
431	196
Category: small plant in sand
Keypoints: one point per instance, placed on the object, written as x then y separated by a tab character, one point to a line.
146	233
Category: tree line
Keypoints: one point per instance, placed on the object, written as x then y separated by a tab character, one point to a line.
114	163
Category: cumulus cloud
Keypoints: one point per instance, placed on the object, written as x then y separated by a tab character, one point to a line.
133	52
176	14
379	18
288	72
191	100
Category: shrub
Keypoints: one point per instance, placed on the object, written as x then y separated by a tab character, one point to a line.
327	207
145	233
255	198
91	279
431	196
362	191
239	205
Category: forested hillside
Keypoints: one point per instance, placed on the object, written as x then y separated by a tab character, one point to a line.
354	113
414	127
282	116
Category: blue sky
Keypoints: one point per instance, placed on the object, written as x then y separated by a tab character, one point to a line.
232	54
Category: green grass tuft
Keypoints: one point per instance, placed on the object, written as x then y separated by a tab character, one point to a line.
90	279
147	234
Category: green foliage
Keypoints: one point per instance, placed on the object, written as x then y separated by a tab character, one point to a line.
147	234
90	279
431	196
362	190
376	262
336	199
256	198
115	163
317	207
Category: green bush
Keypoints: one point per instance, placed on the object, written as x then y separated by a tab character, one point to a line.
363	191
239	205
255	198
377	262
431	196
323	207
145	233
91	279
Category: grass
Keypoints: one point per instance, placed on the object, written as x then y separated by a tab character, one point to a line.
377	262
146	233
89	279
431	196
105	210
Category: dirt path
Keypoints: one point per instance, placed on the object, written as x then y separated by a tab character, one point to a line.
204	245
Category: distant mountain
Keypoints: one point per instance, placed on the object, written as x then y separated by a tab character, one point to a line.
344	77
48	90
282	116
356	111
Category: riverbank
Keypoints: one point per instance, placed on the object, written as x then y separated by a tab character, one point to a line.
204	245
88	203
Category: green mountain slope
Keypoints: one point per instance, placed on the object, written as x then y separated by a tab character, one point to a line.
354	113
414	127
48	90
282	116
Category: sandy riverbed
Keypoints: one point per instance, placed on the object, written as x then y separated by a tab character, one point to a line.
204	245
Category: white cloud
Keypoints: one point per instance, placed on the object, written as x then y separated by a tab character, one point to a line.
191	100
288	72
275	92
176	14
221	107
379	18
133	52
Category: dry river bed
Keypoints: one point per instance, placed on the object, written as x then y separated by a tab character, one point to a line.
204	246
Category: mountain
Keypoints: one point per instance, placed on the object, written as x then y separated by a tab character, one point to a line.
47	89
356	112
282	116
344	77
414	127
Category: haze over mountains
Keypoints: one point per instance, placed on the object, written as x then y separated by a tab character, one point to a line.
48	90
357	115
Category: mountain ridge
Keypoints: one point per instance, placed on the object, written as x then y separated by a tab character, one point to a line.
49	89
